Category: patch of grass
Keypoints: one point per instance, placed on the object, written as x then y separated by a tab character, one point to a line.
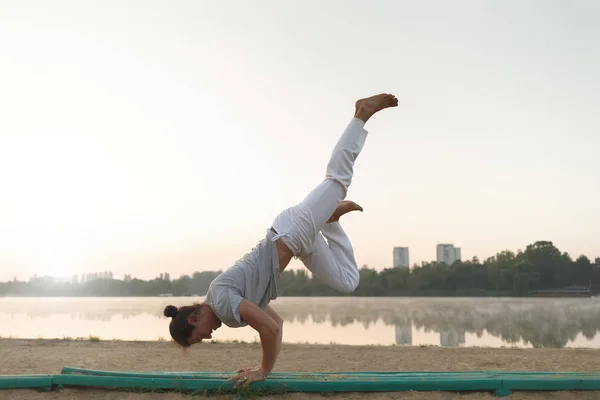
215	341
93	338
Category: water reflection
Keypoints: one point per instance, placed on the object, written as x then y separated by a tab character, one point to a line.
406	321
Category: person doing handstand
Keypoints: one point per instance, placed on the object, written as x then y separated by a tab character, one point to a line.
240	296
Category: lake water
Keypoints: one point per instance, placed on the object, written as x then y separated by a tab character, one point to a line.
488	322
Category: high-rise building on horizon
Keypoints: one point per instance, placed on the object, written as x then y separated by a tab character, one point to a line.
401	259
447	253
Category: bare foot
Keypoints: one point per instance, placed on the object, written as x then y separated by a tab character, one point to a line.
344	207
367	107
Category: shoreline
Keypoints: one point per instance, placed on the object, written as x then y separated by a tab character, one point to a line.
48	356
96	339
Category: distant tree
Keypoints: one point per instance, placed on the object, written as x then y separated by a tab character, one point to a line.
540	266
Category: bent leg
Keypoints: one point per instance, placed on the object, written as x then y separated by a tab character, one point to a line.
334	262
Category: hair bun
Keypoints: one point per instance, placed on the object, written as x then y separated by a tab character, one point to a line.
170	311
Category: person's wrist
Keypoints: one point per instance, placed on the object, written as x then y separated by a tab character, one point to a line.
262	372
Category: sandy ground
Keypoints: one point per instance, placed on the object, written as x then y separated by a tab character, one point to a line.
49	356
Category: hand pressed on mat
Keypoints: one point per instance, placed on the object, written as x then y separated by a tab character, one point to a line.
247	376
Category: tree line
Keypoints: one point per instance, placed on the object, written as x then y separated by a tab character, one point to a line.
540	266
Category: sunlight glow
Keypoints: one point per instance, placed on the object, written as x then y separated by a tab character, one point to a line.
55	257
171	140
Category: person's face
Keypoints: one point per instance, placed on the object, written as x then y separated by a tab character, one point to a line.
204	325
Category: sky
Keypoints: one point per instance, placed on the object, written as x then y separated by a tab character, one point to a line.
166	136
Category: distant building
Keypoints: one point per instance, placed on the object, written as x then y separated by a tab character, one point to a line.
447	253
401	257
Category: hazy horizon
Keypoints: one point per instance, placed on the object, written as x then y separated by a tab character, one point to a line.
165	137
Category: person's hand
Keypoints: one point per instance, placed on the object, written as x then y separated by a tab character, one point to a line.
247	376
247	369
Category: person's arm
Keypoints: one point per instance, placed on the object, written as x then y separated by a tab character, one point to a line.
269	331
279	322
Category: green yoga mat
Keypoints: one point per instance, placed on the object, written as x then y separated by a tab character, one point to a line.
502	383
291	382
26	381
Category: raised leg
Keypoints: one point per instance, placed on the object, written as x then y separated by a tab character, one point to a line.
325	198
299	227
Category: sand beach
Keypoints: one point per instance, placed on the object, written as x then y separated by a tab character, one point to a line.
42	356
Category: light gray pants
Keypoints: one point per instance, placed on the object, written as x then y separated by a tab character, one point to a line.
303	226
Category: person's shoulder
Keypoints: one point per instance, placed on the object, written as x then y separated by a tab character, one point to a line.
225	303
216	289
